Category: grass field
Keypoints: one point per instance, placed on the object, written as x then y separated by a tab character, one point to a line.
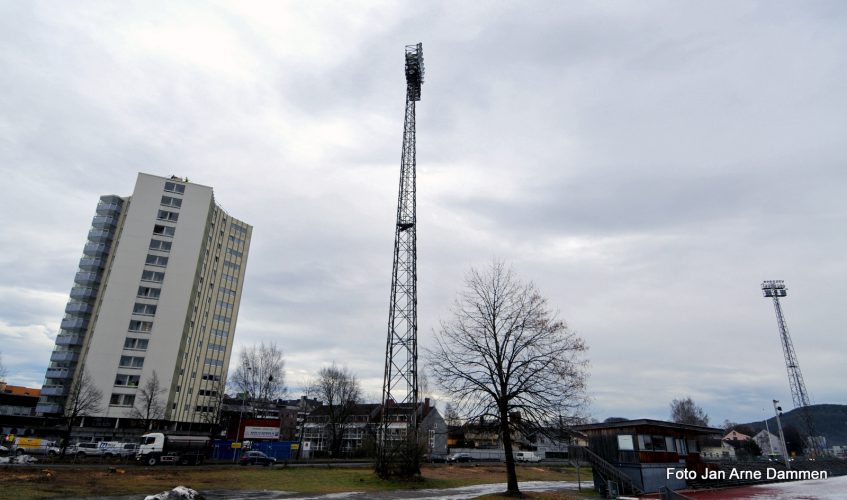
32	482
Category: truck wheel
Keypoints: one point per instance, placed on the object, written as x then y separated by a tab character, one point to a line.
152	460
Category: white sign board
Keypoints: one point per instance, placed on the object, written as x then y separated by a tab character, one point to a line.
252	432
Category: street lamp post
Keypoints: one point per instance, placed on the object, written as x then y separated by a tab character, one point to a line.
776	410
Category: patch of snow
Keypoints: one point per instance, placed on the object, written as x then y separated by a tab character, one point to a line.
178	493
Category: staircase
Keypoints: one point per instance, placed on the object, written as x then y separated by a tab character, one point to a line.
604	469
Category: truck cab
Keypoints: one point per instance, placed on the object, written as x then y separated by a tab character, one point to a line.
159	447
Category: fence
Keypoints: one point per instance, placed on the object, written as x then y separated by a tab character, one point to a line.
280	450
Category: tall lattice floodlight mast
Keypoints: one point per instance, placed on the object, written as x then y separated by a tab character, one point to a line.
400	385
775	289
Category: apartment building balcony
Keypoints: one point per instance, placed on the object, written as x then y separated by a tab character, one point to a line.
78	308
109	205
59	373
100	235
73	324
95	249
60	356
43	408
86	278
104	222
69	339
55	390
83	293
92	263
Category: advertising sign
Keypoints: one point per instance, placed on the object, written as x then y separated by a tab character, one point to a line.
252	432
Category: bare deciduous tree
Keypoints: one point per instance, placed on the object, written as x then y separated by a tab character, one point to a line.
339	389
451	416
149	405
504	355
260	373
684	411
84	398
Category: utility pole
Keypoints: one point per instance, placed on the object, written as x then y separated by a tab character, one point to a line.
775	289
400	384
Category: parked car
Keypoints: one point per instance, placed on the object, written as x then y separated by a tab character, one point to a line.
437	459
256	458
527	456
115	449
460	457
85	450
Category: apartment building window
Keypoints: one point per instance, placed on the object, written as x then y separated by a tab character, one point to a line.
136	344
160	245
217	332
235	240
224	319
213	378
122	379
204	409
144	309
224	305
228	277
131	362
227	292
234	252
217	347
207	392
239	229
232	265
156	260
170	201
214	362
168	216
122	400
140	326
148	292
154	276
161	230
173	187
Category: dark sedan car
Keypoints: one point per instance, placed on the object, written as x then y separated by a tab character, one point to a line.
256	458
460	457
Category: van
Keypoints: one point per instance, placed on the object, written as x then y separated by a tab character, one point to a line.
34	446
527	456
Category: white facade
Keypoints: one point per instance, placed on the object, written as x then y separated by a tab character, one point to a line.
167	301
768	443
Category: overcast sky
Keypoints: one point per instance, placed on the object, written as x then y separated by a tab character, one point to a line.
646	164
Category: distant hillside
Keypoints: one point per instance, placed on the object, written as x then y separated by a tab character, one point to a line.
830	421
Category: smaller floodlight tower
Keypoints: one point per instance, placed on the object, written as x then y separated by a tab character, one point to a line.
775	289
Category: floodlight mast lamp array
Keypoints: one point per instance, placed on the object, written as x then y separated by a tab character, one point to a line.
400	385
775	289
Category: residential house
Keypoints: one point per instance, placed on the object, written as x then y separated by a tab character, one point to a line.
768	443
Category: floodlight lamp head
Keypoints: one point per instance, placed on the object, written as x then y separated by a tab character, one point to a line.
414	71
774	288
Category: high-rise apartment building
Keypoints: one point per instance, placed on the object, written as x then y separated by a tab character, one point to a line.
158	291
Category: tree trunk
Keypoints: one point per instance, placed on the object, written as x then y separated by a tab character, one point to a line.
511	472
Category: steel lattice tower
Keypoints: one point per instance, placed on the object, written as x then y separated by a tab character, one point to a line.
400	385
775	289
